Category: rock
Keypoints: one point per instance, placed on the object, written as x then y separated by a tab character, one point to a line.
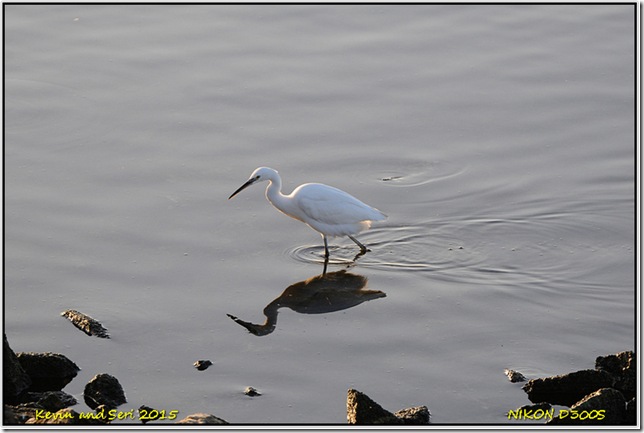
252	392
630	417
9	417
24	411
52	400
610	363
102	414
514	376
201	418
418	415
202	364
606	406
362	410
104	389
62	417
623	368
15	379
85	323
567	389
532	408
147	414
614	364
48	371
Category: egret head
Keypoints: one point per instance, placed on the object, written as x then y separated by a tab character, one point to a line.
259	175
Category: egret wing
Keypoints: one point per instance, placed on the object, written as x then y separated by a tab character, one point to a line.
330	205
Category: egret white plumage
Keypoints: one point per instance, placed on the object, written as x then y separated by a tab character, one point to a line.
327	210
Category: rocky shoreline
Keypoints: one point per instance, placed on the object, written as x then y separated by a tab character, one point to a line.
33	384
603	396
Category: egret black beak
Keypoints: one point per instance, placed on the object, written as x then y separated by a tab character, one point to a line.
248	183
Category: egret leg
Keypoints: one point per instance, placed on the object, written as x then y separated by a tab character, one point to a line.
326	247
363	249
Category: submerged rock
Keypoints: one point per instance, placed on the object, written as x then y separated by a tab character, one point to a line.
514	376
104	389
362	410
567	389
48	371
15	380
85	323
201	418
252	392
202	364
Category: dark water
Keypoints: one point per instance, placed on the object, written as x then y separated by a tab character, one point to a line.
498	139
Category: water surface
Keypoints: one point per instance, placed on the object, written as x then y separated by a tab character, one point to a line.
499	139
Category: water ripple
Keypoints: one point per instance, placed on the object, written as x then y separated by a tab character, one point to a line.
410	173
73	115
405	248
539	250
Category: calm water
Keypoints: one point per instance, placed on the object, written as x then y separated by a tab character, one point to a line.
498	139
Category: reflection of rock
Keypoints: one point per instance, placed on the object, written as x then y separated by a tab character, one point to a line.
320	294
104	389
201	418
48	371
362	410
15	380
567	389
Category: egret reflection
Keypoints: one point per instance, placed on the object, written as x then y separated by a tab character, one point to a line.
324	293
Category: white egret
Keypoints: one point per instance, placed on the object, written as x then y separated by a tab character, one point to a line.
325	209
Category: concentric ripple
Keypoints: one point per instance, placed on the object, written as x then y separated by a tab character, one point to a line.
547	252
405	248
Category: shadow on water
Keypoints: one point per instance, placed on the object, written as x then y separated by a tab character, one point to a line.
324	293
